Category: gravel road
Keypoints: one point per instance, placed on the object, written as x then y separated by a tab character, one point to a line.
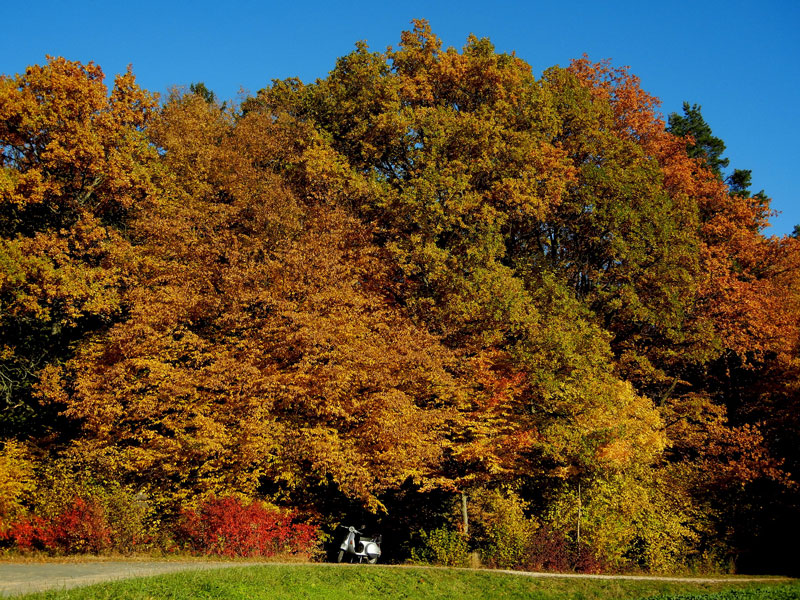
22	578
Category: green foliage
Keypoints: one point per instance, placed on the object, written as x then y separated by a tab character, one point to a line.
739	181
629	518
704	146
443	546
502	530
200	89
131	518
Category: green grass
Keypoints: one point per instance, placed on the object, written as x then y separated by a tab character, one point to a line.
761	593
329	582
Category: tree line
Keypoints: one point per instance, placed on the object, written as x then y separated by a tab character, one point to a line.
428	278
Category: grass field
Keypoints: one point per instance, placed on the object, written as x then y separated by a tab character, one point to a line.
329	582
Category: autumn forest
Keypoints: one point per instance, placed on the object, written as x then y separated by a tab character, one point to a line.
476	310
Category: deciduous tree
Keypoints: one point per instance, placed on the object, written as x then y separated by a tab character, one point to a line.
74	163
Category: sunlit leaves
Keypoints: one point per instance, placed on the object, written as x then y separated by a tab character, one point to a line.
74	162
428	270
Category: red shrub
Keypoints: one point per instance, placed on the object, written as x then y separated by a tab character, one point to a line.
226	527
590	561
549	551
80	528
29	534
5	530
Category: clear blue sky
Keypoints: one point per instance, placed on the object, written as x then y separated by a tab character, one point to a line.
739	59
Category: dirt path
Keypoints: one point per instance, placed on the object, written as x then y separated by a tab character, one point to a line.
737	578
24	577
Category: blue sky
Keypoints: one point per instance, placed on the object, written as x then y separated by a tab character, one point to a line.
739	59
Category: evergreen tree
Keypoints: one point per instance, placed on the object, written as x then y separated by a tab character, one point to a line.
705	146
200	89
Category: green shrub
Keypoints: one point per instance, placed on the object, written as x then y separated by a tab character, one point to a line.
501	529
509	538
629	519
507	532
129	517
442	547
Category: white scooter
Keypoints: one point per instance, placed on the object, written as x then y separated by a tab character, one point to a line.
368	549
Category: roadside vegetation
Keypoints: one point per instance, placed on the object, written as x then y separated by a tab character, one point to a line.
368	583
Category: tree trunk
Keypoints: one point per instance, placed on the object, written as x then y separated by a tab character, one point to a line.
579	523
464	514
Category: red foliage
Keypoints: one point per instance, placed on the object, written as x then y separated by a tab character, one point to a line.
80	528
225	526
550	551
29	534
591	561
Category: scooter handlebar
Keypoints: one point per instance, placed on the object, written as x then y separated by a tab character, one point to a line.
351	528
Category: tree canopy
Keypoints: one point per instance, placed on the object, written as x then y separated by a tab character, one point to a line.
428	273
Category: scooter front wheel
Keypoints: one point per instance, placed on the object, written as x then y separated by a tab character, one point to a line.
340	557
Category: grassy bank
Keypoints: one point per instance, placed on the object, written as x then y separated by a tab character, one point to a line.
323	582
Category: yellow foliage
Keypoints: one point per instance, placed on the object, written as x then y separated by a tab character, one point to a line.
16	479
